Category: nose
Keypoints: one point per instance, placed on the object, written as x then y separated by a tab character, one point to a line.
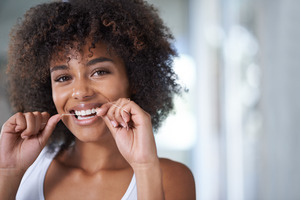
82	90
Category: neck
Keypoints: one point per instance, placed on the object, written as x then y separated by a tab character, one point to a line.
93	157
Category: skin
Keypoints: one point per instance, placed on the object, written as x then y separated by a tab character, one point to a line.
117	142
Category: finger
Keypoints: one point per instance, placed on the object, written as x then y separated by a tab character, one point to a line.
133	113
19	122
102	111
30	123
45	118
38	121
111	115
114	112
15	124
118	112
35	123
125	115
50	126
110	124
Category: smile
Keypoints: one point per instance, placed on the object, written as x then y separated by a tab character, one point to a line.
85	114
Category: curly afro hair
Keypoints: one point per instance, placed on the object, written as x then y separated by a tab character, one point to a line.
130	28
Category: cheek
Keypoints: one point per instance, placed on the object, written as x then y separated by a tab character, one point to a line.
120	89
58	97
55	97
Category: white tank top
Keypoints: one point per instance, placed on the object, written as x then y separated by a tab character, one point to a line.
32	183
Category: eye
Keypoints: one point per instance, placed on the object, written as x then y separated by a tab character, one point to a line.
100	72
63	78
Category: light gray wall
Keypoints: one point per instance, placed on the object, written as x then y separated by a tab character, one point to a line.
10	11
279	163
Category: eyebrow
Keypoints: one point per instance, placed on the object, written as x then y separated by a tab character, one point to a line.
100	59
59	67
91	62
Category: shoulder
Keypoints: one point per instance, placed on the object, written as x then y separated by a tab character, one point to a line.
178	180
30	187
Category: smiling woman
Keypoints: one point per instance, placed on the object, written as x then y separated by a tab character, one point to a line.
104	70
84	82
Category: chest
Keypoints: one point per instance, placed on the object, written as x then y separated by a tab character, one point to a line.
61	183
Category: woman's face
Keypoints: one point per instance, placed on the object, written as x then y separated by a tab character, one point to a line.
83	83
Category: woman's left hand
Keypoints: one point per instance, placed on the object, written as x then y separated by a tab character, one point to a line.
131	127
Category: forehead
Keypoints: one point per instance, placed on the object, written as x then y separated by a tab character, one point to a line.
82	53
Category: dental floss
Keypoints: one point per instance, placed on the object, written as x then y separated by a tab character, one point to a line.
119	107
108	101
66	114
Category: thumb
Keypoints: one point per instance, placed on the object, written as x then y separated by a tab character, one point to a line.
50	126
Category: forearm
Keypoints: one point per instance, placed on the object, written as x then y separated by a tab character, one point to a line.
9	183
149	182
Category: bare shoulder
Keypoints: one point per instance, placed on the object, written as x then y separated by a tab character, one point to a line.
178	180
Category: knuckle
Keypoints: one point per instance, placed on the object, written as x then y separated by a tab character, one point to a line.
110	114
119	101
124	100
37	113
29	114
46	114
18	115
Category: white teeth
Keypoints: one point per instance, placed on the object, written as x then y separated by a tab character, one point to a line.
81	113
77	112
88	112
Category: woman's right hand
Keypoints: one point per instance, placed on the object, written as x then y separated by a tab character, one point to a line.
23	136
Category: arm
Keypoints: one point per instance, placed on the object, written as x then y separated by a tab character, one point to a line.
149	181
132	130
22	138
156	178
9	182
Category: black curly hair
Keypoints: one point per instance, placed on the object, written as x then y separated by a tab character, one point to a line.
130	28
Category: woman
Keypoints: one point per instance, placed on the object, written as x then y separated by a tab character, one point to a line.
90	81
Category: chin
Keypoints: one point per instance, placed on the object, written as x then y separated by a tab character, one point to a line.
89	134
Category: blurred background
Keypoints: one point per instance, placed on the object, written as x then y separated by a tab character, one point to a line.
237	127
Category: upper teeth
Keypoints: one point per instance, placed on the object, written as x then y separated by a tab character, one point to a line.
85	112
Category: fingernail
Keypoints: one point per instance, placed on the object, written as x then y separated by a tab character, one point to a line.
123	125
24	137
98	110
114	123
